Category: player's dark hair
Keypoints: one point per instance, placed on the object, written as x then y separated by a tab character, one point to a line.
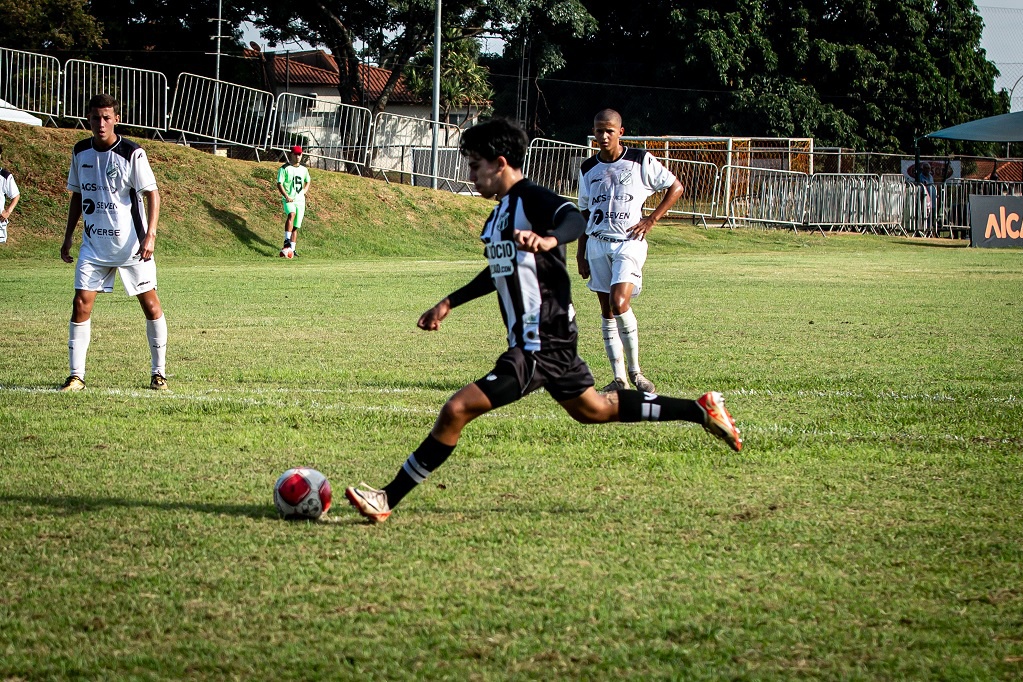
494	138
104	101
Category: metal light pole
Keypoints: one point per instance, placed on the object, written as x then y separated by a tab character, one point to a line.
436	95
216	76
1011	90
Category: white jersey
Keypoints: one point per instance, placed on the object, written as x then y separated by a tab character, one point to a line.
8	187
614	192
111	184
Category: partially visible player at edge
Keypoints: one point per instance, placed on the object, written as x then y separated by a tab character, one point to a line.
524	240
292	184
8	190
108	178
613	186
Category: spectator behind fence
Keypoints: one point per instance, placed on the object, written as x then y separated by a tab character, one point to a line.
8	190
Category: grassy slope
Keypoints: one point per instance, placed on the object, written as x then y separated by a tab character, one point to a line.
228	207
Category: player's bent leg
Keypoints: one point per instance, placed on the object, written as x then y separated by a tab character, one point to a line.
592	408
460	409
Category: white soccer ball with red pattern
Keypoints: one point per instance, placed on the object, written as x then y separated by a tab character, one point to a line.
302	493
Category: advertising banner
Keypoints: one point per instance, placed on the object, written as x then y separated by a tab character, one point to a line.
995	221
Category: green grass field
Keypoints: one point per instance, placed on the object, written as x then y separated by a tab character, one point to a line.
871	529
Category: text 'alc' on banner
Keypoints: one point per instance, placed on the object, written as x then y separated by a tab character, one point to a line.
995	221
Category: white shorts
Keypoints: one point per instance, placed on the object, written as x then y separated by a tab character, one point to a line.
614	262
137	278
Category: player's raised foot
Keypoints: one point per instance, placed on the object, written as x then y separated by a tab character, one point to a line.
71	384
370	502
615	385
717	421
158	383
642	383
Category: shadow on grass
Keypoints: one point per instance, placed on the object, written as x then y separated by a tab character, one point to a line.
933	244
239	228
76	504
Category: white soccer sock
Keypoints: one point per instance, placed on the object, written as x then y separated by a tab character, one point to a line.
78	337
294	238
156	332
287	237
629	334
613	347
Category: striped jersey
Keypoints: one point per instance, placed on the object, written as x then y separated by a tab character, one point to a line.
111	184
614	191
294	179
8	187
534	289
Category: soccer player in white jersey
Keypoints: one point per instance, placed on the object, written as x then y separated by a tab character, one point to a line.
8	190
524	243
108	179
613	186
292	184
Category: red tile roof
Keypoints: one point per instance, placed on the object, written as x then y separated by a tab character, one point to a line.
314	68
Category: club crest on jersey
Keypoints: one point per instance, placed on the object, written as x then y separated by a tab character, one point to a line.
112	172
625	178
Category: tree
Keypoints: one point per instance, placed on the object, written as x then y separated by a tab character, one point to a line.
49	26
875	75
172	36
463	81
396	31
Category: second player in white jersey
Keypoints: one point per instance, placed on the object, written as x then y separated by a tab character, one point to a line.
613	186
111	183
613	192
114	195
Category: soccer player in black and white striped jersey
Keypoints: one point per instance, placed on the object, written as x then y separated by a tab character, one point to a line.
524	243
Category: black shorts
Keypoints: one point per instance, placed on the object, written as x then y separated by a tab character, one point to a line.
518	373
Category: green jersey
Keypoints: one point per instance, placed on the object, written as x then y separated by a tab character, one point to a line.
294	180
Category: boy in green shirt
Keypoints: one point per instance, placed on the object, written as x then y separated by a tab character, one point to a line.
292	183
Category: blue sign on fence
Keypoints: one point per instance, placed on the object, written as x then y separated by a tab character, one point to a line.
996	221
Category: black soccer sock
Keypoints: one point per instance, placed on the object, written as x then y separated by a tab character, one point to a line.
637	406
430	454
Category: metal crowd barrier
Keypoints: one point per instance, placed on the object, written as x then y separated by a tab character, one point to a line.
329	131
894	190
396	139
761	195
845	201
954	199
30	82
142	93
700	182
555	165
221	111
